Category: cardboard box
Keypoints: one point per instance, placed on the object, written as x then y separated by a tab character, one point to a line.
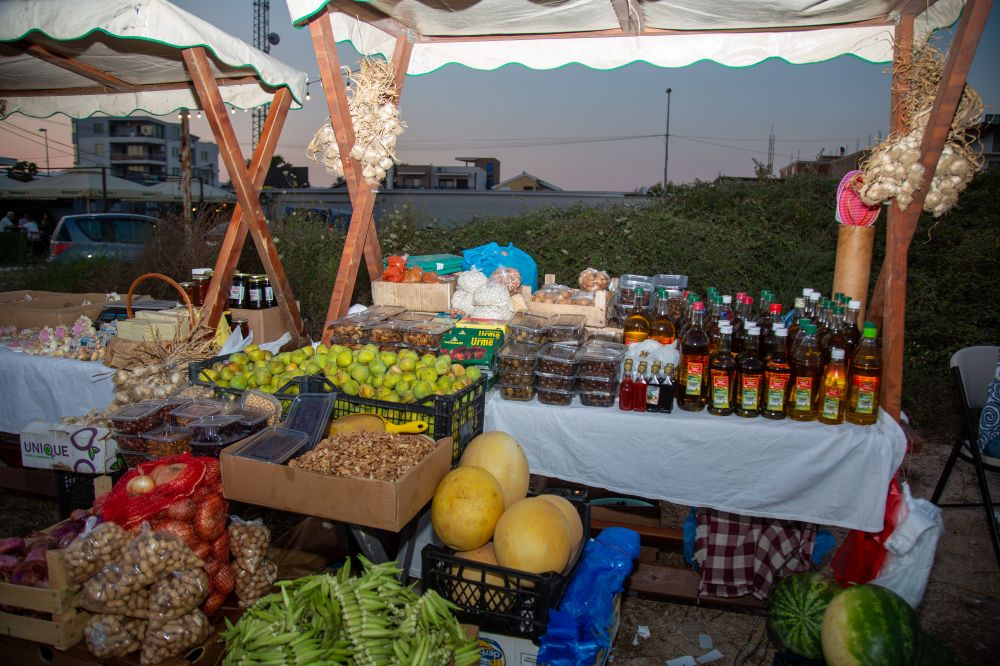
515	651
267	325
380	504
474	341
22	294
416	296
86	450
54	309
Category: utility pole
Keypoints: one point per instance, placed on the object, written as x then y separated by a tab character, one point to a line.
45	133
186	172
263	39
666	144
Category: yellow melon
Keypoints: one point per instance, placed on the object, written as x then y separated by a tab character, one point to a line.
573	522
532	535
502	456
466	506
466	594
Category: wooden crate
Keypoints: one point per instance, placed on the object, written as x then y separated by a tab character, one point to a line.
596	314
415	296
65	629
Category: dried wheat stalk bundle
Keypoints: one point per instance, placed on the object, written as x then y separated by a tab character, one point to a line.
374	105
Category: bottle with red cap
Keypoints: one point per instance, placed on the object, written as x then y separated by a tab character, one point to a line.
693	372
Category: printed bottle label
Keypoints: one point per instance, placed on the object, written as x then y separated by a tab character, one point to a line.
831	402
776	393
866	389
694	372
803	394
750	395
720	390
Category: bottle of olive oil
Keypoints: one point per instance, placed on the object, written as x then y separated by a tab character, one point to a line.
807	374
866	379
751	376
777	375
722	374
693	380
833	397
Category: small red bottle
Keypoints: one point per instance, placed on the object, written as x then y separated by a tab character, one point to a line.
627	388
639	389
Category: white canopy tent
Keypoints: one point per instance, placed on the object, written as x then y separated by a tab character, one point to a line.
78	184
116	57
420	36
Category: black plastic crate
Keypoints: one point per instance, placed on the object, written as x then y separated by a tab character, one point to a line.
459	415
518	605
285	394
76	491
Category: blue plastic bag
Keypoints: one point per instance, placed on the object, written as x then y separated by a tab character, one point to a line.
487	258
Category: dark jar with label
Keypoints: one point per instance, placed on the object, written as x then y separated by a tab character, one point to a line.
238	291
256	292
199	289
269	300
243	324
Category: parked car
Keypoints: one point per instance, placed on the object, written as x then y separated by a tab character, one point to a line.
100	235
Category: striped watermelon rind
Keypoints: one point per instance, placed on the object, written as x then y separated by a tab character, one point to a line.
795	613
869	625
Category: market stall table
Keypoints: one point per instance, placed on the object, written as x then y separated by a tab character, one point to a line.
830	475
46	388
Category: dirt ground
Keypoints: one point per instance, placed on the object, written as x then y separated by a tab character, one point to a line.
961	605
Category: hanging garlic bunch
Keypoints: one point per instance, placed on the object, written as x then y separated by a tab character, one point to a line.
373	103
146	382
894	169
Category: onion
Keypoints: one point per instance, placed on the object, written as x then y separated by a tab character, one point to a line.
121	377
140	485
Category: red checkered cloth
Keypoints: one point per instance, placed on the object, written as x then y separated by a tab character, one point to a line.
742	555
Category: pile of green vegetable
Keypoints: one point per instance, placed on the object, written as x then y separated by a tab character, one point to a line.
340	619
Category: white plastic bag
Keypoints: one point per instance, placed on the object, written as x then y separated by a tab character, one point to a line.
911	548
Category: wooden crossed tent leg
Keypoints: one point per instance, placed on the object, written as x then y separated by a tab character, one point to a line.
362	237
248	216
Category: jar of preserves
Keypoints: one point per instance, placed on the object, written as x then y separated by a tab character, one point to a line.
255	289
199	289
244	325
188	288
238	291
269	300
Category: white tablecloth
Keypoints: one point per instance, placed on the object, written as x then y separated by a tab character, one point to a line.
43	388
831	475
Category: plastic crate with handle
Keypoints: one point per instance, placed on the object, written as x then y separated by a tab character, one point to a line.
286	393
497	599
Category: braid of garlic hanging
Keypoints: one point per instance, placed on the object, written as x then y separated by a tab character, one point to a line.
894	170
374	105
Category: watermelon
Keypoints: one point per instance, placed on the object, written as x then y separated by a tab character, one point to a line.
870	625
795	613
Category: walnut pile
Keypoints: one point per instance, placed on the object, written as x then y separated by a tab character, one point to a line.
381	456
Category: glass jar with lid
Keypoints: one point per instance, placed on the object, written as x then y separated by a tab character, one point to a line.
238	291
199	289
255	289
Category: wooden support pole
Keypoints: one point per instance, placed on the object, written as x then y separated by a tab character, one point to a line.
196	60
361	234
903	224
217	297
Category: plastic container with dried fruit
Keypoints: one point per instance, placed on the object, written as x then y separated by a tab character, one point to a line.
168	440
527	327
558	358
133	460
263	402
136	418
385	332
600	360
217	428
131	443
588	383
427	334
555	396
354	326
517	378
565	328
517	357
597	398
627	285
523	393
212	449
545	380
194	410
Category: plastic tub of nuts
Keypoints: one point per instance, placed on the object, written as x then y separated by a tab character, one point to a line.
168	440
185	415
425	334
251	420
354	327
545	380
552	396
136	418
212	449
216	428
597	398
350	343
385	332
608	384
517	357
558	358
262	402
129	442
565	328
600	360
522	393
527	327
517	378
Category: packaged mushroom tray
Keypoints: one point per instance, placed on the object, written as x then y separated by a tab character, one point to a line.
382	456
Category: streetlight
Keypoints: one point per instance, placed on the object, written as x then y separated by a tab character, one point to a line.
666	144
45	133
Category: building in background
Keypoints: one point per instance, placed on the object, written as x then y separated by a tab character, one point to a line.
146	150
525	182
989	140
479	173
